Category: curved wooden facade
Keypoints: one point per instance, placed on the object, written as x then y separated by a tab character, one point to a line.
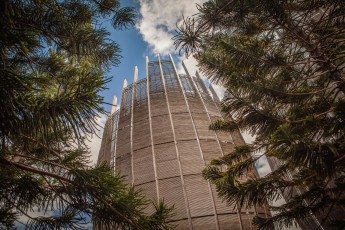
159	139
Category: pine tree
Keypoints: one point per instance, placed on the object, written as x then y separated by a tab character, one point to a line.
54	55
282	63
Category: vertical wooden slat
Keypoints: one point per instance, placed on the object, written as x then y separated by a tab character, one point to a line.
176	148
185	68
150	122
200	149
132	107
114	138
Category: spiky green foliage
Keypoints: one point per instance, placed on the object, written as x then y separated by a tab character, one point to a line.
282	63
54	55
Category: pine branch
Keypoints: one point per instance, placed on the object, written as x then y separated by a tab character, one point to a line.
55	153
40	160
69	181
281	63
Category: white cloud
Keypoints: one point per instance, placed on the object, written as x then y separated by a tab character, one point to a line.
159	19
263	167
94	142
35	212
191	64
248	138
23	220
220	91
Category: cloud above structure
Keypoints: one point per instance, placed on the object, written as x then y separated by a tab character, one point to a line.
157	27
159	19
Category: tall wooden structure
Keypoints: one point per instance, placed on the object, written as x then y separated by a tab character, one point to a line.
159	139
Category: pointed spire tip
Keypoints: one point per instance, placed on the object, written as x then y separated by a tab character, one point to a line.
113	107
135	74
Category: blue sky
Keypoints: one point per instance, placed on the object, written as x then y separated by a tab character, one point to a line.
133	51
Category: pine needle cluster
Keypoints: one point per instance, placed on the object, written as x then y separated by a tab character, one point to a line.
53	58
283	65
